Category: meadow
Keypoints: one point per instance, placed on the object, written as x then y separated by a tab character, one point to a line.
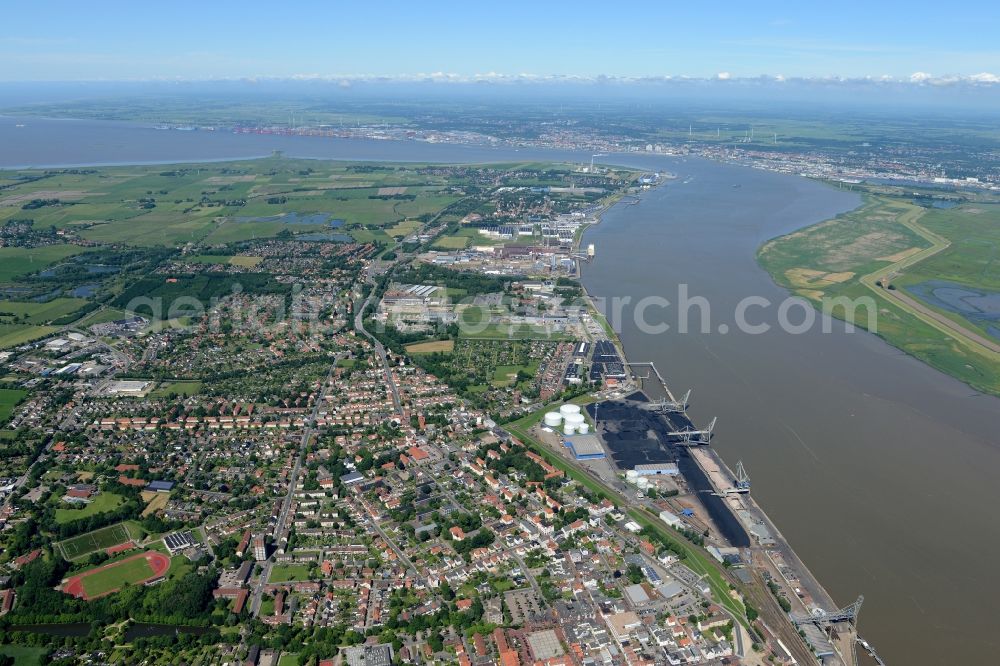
17	262
104	501
889	245
9	399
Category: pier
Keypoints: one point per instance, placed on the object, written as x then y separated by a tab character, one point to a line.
830	631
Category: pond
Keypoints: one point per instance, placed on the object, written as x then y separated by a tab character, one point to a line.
298	218
980	306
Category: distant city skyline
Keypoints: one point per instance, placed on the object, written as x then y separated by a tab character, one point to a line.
515	41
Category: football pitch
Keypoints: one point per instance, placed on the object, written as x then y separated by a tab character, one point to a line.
110	578
100	539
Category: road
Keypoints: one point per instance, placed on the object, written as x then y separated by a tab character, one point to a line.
962	334
359	326
293	478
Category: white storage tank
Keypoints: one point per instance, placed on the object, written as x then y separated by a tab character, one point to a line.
569	429
631	475
583	428
552	419
568	409
575	419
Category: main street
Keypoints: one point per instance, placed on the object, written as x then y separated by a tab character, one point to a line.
293	479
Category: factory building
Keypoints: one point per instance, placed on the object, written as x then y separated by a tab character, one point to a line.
670	469
585	447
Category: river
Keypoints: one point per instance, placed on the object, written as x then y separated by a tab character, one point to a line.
878	469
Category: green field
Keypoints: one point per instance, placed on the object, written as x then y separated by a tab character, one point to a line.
12	335
104	501
105	580
16	262
183	387
504	374
283	573
24	655
100	539
892	241
404	228
9	398
451	243
31	312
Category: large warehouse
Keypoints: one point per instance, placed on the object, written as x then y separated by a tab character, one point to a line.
667	468
585	447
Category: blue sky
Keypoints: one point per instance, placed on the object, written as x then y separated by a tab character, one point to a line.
202	40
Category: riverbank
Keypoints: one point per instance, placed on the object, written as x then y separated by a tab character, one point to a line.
739	509
884	250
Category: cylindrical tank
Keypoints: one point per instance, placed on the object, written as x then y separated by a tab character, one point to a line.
583	428
569	429
575	419
568	409
631	475
553	419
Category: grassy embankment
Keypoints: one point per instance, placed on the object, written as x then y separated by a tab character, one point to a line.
890	241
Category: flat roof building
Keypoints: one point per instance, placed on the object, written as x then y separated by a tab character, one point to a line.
585	447
369	655
669	469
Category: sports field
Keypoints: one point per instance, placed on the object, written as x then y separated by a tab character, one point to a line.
91	542
109	578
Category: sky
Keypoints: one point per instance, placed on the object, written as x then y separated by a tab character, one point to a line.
110	40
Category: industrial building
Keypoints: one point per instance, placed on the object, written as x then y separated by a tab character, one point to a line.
667	468
671	519
585	447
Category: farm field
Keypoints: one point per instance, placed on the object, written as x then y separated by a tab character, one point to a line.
451	243
100	539
154	503
431	347
16	262
13	335
39	313
9	398
232	260
171	205
104	501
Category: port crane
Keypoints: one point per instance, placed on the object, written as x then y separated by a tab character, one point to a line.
742	479
845	614
665	406
688	437
741	487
